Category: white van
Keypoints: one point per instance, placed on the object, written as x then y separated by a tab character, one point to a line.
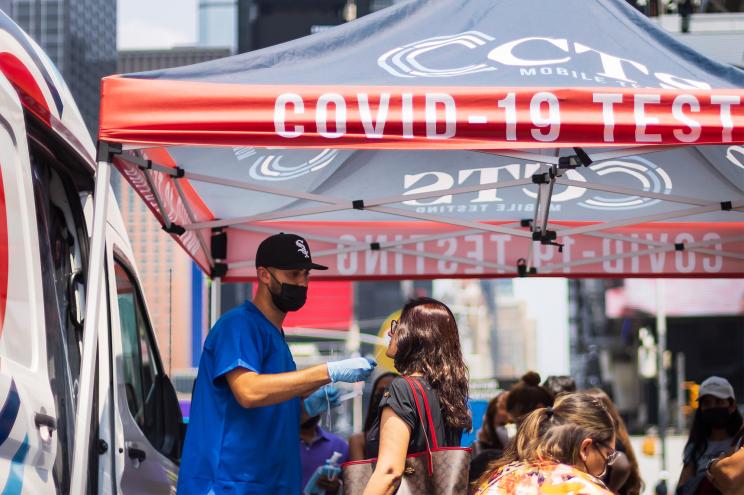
46	181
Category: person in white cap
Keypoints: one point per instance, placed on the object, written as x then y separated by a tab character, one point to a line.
713	435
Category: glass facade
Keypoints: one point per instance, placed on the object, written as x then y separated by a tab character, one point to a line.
80	38
218	24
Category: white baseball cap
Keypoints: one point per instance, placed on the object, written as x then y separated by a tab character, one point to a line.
717	387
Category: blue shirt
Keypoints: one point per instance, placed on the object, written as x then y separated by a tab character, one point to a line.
320	450
228	448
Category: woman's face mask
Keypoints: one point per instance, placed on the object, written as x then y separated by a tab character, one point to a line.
715	417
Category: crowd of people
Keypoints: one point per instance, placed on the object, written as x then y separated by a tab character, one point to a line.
251	408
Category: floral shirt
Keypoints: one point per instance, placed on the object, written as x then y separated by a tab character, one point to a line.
545	478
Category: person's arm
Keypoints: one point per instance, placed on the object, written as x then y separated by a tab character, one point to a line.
257	390
391	461
619	473
727	473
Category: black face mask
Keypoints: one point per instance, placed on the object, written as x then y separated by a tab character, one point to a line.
290	297
716	417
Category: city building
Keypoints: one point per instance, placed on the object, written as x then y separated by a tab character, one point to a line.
80	38
218	24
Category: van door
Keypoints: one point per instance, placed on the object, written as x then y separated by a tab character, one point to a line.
146	402
30	418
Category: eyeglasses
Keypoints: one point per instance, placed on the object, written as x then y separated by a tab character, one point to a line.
393	327
611	457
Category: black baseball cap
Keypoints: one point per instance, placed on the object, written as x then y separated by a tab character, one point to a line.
286	252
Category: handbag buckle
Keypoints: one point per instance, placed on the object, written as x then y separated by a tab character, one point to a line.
409	470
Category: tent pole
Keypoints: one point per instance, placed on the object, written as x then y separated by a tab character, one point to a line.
661	330
93	308
215	300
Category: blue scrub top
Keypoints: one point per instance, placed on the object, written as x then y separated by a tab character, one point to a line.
228	448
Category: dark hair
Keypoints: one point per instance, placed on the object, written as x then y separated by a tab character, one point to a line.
487	435
634	484
374	400
557	385
556	433
699	432
527	395
428	343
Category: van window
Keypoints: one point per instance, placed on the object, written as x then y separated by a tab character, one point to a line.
141	366
62	249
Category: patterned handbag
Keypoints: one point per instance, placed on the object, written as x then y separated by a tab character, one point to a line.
435	471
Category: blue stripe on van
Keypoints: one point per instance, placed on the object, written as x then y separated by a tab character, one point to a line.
9	412
15	477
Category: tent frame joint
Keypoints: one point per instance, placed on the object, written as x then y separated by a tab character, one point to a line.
679	246
358	204
727	206
522	270
374	246
174	228
107	150
218	270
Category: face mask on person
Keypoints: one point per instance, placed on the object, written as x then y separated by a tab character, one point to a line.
716	417
290	298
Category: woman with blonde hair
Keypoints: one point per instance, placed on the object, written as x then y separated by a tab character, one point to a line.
561	449
624	476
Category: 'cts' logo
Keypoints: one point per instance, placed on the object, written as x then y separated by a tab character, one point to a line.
303	248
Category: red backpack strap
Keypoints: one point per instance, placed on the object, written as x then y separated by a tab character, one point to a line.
428	413
430	463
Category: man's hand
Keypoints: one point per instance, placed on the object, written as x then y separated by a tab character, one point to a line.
351	370
330	486
318	401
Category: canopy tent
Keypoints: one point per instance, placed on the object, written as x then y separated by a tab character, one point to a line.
448	139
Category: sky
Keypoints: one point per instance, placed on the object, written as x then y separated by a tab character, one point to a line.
156	23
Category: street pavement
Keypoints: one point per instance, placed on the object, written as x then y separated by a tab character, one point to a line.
650	466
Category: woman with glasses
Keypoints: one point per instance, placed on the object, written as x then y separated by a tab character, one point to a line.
624	476
425	346
564	449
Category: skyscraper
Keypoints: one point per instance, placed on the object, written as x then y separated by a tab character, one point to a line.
80	38
218	24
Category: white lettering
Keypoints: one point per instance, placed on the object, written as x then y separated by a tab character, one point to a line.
443	182
443	266
509	104
639	111
552	121
321	115
679	256
612	65
347	263
716	265
677	106
373	130
280	114
476	254
725	101
450	115
612	266
406	111
504	54
608	112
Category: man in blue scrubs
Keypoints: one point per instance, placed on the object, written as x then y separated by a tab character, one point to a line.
247	403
